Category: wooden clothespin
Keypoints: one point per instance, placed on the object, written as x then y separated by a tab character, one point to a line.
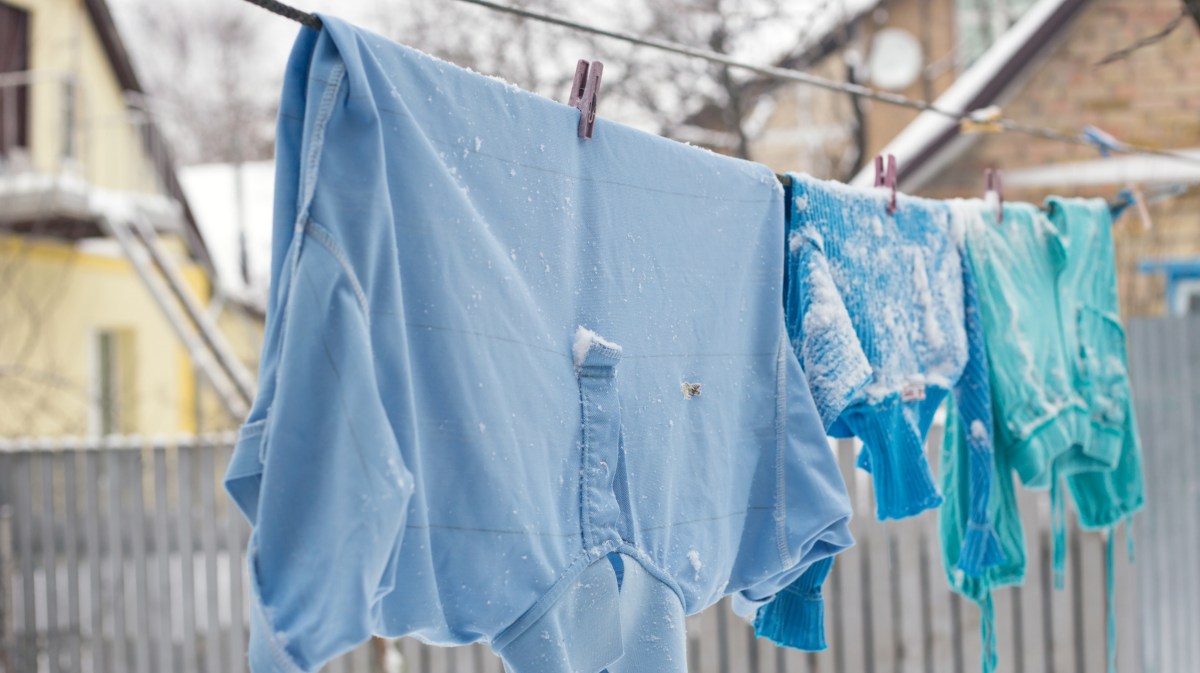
585	91
983	120
993	192
887	178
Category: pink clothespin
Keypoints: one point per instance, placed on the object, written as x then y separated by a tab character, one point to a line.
585	91
993	190
887	178
578	84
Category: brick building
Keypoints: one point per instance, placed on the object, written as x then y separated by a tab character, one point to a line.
1037	62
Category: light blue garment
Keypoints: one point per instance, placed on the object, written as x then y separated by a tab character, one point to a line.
439	448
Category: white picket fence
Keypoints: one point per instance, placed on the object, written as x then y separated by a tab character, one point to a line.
125	557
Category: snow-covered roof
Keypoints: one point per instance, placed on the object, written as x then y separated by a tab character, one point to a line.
31	196
212	190
932	140
1116	170
123	68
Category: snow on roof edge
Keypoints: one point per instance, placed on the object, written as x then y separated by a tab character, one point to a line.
928	126
1108	171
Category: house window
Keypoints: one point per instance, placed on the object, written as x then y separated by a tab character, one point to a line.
981	23
1186	293
14	94
112	382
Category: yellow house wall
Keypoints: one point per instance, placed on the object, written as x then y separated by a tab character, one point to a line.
108	149
54	299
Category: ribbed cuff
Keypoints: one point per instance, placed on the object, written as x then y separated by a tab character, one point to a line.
1037	452
899	468
980	550
1096	509
1104	444
794	619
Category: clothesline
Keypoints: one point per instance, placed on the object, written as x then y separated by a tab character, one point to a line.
851	89
853	318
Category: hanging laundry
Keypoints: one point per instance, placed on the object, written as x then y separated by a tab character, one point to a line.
882	312
1018	263
1113	489
896	280
1059	384
977	498
982	542
1056	350
516	387
1034	278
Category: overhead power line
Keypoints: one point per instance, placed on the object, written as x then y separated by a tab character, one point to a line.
800	77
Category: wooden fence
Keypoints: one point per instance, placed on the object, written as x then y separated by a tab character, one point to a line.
123	557
1165	364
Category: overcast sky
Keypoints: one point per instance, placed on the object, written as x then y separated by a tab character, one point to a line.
552	53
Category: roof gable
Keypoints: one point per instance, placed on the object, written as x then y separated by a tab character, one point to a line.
932	140
118	57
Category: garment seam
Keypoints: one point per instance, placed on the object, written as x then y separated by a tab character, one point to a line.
785	556
311	166
585	519
651	567
324	112
252	429
286	308
559	352
804	595
322	236
545	602
313	162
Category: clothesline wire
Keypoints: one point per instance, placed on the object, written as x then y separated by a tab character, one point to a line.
287	11
798	76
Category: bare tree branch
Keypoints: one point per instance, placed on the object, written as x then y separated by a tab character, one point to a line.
1122	54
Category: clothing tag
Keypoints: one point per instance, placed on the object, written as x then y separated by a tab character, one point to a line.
912	392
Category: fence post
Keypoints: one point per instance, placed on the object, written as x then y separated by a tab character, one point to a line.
7	642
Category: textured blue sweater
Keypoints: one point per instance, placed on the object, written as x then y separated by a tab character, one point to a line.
883	313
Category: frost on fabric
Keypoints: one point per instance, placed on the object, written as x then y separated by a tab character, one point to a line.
932	330
397	473
833	361
900	281
694	559
795	240
978	431
584	338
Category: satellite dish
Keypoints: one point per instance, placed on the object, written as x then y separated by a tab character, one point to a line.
895	59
